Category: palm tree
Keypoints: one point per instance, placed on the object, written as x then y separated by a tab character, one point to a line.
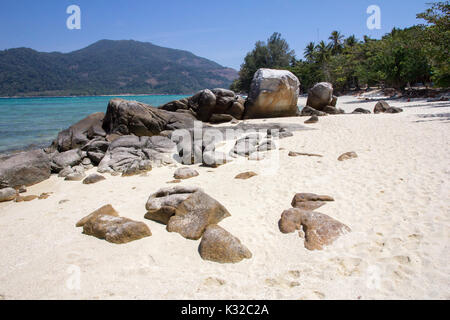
336	42
309	51
323	51
351	41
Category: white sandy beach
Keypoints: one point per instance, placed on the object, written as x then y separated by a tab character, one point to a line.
394	196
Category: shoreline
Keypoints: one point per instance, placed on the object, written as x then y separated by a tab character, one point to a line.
104	95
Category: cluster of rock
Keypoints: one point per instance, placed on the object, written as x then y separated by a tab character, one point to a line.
317	229
216	106
321	101
273	93
193	214
12	194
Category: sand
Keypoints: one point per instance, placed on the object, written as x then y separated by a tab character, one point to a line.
395	197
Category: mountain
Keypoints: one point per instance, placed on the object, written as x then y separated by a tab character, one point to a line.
109	67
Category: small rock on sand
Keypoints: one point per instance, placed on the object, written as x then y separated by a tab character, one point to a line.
7	194
309	201
105	223
93	178
246	175
220	246
347	156
185	173
26	198
319	229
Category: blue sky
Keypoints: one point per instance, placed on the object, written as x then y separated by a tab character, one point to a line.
223	31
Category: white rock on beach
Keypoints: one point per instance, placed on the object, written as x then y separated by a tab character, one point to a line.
273	93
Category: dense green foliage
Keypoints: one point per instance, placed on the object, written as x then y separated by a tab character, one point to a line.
109	67
274	54
419	54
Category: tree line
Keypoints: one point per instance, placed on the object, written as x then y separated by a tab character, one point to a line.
418	54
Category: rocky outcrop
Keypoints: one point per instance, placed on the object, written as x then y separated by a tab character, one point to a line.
132	154
105	223
320	96
24	169
273	93
125	117
215	106
220	246
319	229
7	194
80	133
347	156
185	210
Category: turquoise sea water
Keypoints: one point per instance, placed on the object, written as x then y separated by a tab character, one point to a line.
26	122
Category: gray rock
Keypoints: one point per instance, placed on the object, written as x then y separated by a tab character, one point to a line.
93	178
273	93
308	111
394	110
130	153
131	117
332	110
185	173
161	205
7	194
267	145
25	168
66	159
214	159
361	111
65	172
381	107
80	133
78	174
320	96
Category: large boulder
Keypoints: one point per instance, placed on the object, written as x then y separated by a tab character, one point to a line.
273	93
319	229
80	133
125	117
105	223
185	210
24	169
320	96
219	245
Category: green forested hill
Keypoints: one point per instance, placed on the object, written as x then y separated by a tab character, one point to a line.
109	67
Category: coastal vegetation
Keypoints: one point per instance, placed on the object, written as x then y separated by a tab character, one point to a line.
417	54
